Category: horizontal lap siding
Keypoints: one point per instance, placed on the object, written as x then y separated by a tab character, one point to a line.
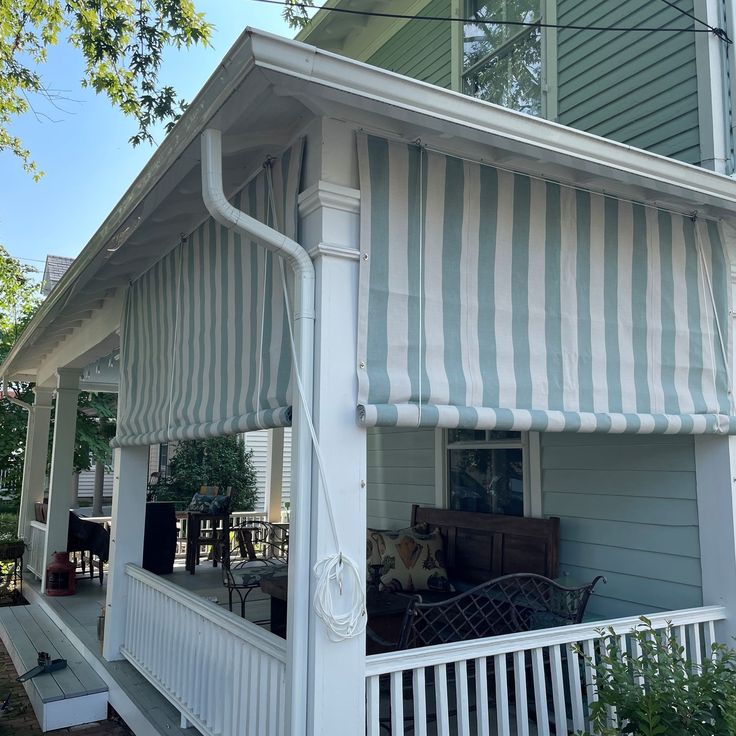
421	49
634	87
628	511
258	443
401	470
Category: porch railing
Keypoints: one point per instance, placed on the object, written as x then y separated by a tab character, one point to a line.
531	683
225	674
35	549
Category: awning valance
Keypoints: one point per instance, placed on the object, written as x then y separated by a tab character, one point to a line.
491	299
205	342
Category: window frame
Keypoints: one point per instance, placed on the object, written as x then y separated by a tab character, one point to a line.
548	76
528	442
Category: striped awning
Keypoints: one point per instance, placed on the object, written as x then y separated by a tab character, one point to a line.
205	342
491	299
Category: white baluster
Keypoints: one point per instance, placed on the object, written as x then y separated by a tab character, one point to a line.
522	707
481	697
419	690
373	709
397	703
558	690
502	695
576	689
461	697
540	691
442	702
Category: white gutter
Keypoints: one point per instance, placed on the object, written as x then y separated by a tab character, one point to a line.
297	625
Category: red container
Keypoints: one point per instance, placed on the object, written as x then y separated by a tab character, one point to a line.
61	575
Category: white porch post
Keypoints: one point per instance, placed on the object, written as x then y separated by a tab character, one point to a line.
275	474
126	539
336	682
61	486
715	467
34	464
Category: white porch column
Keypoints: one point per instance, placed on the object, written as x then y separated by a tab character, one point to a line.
275	474
715	467
329	211
61	486
126	539
34	464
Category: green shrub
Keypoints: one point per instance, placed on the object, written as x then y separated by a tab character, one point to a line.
677	698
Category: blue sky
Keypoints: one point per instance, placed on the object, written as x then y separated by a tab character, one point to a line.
83	148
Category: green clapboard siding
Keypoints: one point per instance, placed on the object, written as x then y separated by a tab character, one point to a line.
400	473
628	511
421	49
636	88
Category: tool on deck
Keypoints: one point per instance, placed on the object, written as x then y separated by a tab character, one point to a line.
45	664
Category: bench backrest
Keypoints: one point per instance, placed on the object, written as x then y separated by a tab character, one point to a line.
480	547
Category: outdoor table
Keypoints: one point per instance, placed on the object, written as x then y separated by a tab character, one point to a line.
385	610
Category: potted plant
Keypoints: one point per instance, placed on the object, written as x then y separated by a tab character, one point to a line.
660	692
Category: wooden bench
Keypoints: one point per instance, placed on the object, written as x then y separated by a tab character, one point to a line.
69	697
480	547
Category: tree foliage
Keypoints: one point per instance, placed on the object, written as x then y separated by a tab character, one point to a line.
219	461
122	43
19	297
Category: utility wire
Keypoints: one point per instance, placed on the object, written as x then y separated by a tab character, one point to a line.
719	32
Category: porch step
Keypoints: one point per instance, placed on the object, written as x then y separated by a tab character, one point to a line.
69	697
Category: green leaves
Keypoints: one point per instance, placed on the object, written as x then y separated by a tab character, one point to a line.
122	42
677	697
220	461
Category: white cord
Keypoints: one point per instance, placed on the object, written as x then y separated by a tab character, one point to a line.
344	618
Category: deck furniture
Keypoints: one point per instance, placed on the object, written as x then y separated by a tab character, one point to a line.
88	538
217	530
480	547
159	538
256	565
385	610
510	604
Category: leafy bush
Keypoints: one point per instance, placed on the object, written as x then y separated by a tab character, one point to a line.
677	697
8	527
220	461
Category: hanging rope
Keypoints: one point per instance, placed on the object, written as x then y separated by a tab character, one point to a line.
339	597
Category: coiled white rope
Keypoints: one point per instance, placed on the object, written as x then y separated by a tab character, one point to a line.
339	595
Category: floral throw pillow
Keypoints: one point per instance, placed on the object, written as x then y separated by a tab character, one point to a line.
412	559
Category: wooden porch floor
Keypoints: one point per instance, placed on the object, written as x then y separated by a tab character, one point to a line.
145	710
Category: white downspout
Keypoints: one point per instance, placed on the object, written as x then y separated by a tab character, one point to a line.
297	640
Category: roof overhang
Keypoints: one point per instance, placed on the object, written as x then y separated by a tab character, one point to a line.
265	91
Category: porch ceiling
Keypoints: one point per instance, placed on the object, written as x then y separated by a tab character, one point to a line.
265	92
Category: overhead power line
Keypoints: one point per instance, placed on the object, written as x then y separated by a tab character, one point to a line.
719	32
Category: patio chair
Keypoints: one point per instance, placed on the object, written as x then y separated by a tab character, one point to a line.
267	561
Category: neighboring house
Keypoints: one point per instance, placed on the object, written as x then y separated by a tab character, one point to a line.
491	312
54	268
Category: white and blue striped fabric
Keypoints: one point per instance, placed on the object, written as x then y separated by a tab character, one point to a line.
491	299
205	342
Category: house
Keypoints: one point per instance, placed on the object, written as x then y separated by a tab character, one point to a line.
54	268
412	279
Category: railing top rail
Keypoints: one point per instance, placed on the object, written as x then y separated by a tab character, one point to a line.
409	659
249	632
38	525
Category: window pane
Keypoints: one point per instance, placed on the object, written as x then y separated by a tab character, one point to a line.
487	481
503	63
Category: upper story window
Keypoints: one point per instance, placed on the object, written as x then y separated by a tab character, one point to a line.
503	63
485	471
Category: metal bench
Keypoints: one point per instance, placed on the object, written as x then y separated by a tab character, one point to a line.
68	697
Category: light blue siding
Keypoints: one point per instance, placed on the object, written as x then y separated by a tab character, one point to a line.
401	468
634	87
421	49
628	511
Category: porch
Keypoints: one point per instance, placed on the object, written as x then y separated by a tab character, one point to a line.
188	661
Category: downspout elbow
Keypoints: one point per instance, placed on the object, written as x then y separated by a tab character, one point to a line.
231	217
